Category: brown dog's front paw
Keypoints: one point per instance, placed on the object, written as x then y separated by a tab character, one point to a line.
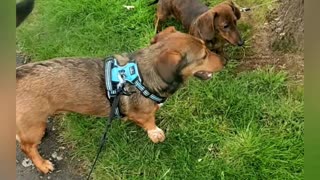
46	167
156	135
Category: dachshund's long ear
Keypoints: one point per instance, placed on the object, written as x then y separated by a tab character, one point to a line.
204	26
163	34
235	9
167	65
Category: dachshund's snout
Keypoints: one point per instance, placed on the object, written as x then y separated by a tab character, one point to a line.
241	42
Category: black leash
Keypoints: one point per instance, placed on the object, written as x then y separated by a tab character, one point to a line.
104	139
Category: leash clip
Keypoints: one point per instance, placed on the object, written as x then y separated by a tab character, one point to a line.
121	83
121	88
245	9
126	92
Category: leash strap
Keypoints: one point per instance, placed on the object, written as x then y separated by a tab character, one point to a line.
104	138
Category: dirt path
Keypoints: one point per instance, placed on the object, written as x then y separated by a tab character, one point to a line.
263	56
50	148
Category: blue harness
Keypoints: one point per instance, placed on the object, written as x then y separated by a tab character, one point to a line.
116	76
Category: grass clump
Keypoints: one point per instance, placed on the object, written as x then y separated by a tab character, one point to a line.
86	28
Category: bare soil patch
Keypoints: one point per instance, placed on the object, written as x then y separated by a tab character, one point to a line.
262	45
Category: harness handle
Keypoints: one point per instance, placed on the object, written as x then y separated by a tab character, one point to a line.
121	86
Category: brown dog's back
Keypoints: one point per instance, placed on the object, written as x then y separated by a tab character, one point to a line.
59	78
188	10
185	10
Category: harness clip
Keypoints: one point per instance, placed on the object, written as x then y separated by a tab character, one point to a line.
126	92
245	9
121	86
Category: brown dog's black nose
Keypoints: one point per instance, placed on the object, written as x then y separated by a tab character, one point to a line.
241	42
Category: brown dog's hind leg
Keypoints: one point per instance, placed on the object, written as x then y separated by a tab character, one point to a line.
161	16
157	25
31	150
29	134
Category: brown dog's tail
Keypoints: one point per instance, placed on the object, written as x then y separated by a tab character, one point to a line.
154	2
23	9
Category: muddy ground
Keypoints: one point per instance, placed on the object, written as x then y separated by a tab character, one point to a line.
264	56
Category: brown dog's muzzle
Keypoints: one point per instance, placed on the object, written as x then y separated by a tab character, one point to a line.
235	39
240	41
213	64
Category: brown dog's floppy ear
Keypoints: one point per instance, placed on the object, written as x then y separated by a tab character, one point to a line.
205	25
166	65
163	34
235	10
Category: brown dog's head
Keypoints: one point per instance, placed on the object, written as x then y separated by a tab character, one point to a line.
183	55
221	19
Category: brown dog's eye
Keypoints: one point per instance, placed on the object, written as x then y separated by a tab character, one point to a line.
226	26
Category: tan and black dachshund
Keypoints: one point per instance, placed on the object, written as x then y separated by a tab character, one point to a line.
78	85
214	25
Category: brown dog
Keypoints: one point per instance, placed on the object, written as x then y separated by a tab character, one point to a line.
215	26
78	85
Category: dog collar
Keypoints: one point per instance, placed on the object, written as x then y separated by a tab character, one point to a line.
116	75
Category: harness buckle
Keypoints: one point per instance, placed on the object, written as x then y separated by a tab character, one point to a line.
126	92
121	85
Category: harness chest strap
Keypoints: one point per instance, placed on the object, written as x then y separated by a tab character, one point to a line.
116	76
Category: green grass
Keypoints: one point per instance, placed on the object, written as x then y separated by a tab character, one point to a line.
236	126
245	126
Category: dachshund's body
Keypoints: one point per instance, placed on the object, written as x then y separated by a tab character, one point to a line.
78	85
215	25
184	10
